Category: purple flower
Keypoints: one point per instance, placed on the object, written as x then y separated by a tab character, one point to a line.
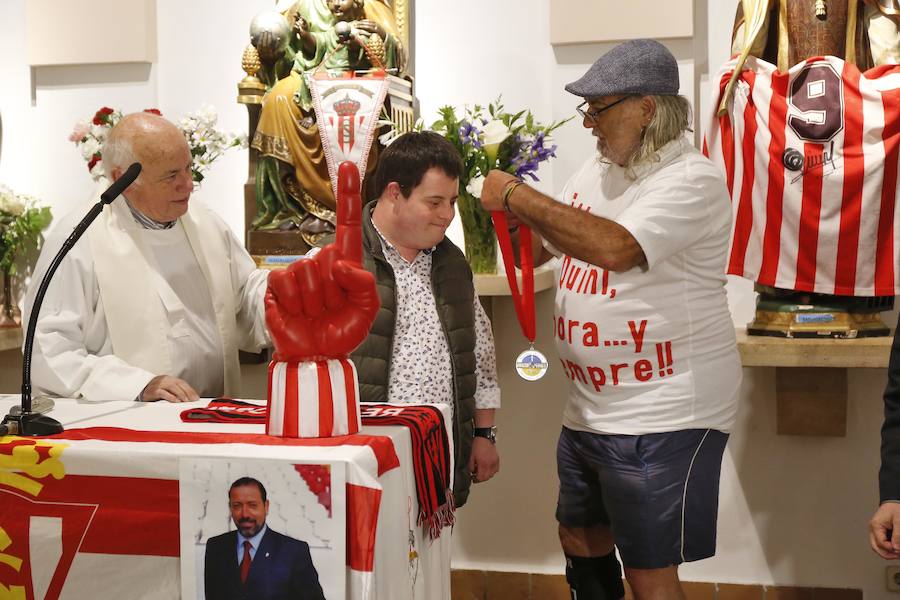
469	134
531	154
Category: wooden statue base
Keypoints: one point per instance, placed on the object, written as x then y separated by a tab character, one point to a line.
817	323
275	243
791	314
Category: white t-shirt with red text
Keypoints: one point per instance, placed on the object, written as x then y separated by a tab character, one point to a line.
651	349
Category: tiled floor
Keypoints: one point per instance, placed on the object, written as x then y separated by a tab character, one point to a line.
493	585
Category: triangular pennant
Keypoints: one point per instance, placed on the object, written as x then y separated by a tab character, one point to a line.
347	108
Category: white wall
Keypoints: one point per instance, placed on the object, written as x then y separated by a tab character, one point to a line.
793	510
199	48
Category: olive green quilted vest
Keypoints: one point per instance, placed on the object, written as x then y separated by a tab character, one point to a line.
454	294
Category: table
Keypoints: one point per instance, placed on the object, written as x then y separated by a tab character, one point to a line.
143	442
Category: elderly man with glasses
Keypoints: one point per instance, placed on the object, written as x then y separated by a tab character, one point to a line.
642	329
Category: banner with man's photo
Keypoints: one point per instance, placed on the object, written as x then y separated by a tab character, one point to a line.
292	515
97	514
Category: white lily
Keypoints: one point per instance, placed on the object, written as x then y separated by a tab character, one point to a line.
493	134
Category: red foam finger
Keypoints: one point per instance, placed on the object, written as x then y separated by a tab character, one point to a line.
348	234
309	287
283	291
334	296
360	287
275	322
354	279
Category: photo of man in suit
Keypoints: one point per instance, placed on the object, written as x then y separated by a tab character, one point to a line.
255	562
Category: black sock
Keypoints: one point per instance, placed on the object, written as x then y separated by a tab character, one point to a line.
595	577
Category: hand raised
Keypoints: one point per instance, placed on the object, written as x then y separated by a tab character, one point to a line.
301	27
267	47
370	27
322	307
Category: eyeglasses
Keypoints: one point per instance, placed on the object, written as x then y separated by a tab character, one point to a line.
593	114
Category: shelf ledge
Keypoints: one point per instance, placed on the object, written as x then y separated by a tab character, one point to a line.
766	351
495	284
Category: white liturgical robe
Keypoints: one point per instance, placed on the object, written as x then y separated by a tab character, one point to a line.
129	303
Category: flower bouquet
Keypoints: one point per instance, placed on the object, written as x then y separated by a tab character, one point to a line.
21	223
206	141
491	138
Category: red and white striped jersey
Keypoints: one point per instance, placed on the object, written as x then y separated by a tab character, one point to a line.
811	158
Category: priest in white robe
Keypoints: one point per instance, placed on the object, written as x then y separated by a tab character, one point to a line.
157	297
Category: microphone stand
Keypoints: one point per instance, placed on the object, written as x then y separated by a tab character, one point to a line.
25	421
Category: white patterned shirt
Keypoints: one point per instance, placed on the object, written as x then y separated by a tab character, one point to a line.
421	370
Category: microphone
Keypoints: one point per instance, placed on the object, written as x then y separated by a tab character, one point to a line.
119	185
26	421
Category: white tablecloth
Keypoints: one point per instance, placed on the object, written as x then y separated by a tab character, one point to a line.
395	574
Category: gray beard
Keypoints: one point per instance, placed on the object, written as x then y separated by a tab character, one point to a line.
602	157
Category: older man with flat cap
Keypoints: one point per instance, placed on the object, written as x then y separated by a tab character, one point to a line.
642	328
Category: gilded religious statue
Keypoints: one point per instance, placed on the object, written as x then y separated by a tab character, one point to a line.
785	32
799	132
294	199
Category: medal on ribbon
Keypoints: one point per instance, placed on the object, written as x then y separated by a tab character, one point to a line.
531	365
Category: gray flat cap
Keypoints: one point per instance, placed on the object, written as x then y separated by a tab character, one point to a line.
640	67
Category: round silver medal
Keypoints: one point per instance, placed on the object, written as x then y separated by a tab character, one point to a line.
531	365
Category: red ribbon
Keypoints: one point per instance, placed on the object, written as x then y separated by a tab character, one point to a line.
524	301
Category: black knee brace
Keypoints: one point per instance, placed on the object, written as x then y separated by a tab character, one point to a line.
595	578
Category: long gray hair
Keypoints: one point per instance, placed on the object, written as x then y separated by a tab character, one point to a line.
671	119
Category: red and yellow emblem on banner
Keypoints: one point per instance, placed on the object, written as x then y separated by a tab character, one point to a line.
26	465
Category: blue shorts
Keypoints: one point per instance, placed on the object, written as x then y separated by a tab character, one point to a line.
659	492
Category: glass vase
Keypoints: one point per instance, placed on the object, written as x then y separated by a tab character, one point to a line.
7	308
478	233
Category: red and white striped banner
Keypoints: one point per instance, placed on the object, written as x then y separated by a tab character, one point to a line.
313	399
94	512
811	158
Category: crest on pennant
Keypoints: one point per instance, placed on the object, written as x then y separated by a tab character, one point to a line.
347	108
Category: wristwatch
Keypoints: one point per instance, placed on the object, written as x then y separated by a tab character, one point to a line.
489	433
